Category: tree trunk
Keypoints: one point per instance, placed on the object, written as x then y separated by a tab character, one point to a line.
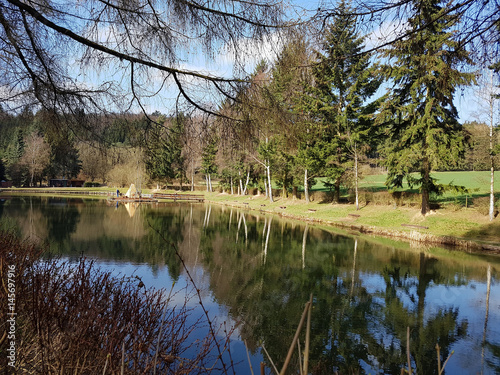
241	184
492	181
306	186
285	189
192	176
492	192
246	183
269	180
232	188
336	198
425	186
356	177
210	182
206	179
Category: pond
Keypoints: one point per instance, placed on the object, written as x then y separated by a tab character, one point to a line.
256	271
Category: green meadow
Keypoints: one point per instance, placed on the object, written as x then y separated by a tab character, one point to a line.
476	182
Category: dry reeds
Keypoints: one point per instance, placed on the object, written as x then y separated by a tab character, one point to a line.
78	319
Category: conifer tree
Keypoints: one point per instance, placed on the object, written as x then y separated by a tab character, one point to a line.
290	74
208	156
419	117
164	156
345	80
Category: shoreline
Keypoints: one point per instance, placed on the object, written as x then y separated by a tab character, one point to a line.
342	216
348	224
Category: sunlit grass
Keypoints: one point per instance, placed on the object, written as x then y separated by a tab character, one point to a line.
459	215
463	222
478	182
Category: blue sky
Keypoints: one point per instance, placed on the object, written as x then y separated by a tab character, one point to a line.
222	64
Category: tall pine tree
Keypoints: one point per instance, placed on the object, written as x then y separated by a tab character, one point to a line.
419	117
164	160
345	80
290	75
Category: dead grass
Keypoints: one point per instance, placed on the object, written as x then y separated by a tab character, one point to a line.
77	319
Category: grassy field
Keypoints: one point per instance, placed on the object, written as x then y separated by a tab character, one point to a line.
478	182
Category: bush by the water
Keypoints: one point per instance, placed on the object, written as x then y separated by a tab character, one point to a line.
386	198
76	318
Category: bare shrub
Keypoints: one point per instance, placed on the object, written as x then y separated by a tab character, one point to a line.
382	198
320	196
78	319
482	205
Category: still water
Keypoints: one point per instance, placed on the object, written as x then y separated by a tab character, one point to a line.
257	271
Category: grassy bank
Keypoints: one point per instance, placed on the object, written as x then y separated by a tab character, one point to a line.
453	223
447	225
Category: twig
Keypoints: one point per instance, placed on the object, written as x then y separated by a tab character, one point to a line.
161	327
445	362
105	364
308	336
248	356
297	332
200	301
270	359
300	357
123	358
439	358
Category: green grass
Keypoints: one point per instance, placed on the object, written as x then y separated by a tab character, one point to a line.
468	223
477	182
453	218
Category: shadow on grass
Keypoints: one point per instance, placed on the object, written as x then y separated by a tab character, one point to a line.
488	232
480	202
344	191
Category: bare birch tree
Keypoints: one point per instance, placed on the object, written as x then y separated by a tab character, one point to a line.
36	156
487	97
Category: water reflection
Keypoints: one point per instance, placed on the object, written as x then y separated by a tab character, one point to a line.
262	269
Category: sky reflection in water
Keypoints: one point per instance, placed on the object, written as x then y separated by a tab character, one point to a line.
256	272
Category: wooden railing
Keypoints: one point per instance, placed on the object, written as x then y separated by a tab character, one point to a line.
179	197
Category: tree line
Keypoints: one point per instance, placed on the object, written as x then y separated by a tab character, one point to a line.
324	108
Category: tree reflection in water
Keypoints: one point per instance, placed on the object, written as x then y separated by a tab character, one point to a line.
262	269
